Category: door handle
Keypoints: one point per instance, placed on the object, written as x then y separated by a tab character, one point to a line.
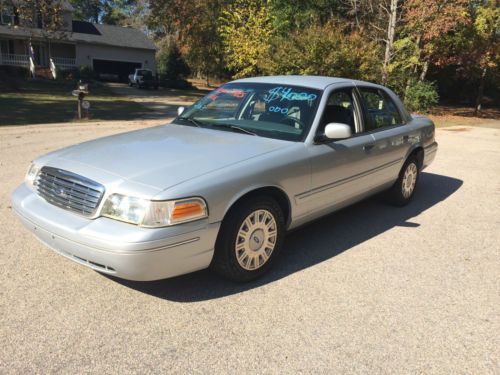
368	147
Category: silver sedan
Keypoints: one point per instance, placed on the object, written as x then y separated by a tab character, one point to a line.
220	186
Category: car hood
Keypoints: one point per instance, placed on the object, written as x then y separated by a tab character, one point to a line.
164	156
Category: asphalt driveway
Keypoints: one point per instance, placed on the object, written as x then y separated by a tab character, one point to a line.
372	289
162	103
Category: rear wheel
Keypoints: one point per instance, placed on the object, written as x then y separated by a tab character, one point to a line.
250	239
403	189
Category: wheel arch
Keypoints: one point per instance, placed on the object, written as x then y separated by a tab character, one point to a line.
417	151
275	192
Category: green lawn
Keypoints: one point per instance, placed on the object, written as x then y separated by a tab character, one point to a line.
48	102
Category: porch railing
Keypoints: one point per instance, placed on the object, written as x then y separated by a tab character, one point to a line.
64	62
23	60
15	60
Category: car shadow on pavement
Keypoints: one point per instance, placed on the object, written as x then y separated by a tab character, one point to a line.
311	244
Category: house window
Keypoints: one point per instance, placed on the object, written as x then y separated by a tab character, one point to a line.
7	16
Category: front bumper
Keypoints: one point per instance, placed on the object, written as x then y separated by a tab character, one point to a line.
112	247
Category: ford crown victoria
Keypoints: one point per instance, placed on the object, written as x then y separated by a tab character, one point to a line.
221	185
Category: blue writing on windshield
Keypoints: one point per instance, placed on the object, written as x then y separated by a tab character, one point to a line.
277	109
287	93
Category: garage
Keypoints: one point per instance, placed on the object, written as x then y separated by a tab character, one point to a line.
109	70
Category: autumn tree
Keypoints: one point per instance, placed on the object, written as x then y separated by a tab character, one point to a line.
427	28
87	10
330	50
193	25
34	13
171	65
246	28
291	15
486	44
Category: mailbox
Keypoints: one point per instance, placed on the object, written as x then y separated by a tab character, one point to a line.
81	91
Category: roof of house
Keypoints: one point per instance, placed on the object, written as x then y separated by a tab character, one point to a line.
87	32
111	35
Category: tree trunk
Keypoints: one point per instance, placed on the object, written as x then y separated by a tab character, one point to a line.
414	68
425	69
480	92
389	44
354	5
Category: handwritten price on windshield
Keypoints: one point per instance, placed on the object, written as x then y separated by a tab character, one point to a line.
284	93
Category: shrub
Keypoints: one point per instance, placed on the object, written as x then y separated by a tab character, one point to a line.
420	96
171	65
85	73
69	74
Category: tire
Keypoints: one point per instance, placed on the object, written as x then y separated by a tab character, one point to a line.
241	257
401	193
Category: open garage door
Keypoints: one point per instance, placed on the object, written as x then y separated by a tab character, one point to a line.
109	70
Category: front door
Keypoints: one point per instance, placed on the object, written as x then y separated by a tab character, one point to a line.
41	54
340	169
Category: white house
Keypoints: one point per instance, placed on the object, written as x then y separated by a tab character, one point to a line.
107	49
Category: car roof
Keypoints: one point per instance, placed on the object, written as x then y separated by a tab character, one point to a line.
316	82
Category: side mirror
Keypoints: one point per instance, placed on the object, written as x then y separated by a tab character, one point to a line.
336	130
180	110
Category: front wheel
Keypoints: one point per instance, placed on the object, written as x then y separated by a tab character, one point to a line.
402	191
249	240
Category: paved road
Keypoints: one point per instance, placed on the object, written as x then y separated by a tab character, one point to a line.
370	290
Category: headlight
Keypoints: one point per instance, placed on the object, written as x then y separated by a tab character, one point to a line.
125	208
31	174
154	214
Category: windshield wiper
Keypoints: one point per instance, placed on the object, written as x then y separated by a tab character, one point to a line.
234	127
191	120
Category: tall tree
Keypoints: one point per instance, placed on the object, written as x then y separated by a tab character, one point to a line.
330	50
34	13
290	15
246	30
193	25
428	25
392	19
111	12
487	43
87	10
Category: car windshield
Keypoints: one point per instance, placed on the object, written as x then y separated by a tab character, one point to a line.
268	110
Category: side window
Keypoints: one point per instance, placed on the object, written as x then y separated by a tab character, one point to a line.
340	108
381	110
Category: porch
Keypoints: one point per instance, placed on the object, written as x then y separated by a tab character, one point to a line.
15	52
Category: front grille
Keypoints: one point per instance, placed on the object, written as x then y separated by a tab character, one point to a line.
69	191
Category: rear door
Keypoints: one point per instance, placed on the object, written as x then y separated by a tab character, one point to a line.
385	122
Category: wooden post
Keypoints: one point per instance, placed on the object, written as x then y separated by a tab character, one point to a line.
80	100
